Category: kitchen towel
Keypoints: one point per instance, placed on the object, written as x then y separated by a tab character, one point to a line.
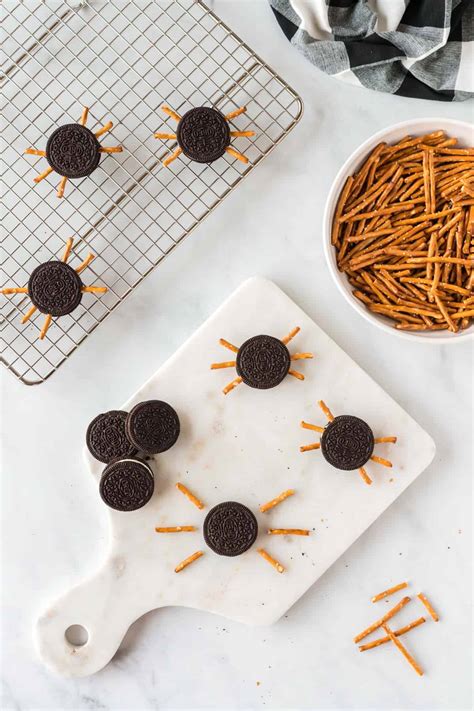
416	48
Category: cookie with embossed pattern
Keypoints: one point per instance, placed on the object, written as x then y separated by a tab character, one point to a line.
106	438
152	426
127	484
263	362
73	151
230	528
347	442
203	134
55	288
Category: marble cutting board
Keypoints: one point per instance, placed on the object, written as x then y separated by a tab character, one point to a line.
243	447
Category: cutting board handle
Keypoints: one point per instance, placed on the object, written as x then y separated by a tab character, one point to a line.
101	607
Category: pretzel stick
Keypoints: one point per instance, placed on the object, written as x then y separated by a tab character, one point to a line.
397	633
35	152
106	127
187	561
46	325
235	113
441	260
296	374
291	335
29	314
43	175
463	314
308	426
310	447
233	384
61	187
288	532
22	290
227	364
174	529
403	650
277	500
172	157
85	263
84	115
165	136
171	113
236	154
380	460
301	356
111	149
194	500
378	440
365	476
266	556
445	313
67	250
240	134
228	345
94	289
428	606
340	207
326	410
388	615
390	591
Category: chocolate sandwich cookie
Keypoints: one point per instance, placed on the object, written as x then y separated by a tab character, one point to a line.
263	362
73	151
347	442
55	288
230	528
203	134
106	438
152	426
127	484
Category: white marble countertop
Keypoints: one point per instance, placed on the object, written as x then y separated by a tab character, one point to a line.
54	526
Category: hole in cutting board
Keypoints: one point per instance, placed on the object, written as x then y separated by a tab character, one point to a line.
77	635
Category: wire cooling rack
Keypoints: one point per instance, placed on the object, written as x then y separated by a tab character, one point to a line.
123	59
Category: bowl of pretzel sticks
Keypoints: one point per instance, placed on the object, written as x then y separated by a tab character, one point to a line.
399	230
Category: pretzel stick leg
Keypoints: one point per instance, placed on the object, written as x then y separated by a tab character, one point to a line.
187	561
326	410
227	364
111	149
94	289
308	426
174	529
106	127
301	356
228	345
67	250
85	263
43	175
241	134
310	447
380	460
85	114
291	335
34	152
172	157
235	113
288	532
296	374
165	136
266	556
46	325
233	384
236	154
61	187
171	113
15	290
379	440
403	650
365	476
29	314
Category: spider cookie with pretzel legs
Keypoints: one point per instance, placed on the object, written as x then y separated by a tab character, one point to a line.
262	362
203	134
347	442
55	288
73	151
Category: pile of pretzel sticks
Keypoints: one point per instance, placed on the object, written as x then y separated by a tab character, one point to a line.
393	635
403	230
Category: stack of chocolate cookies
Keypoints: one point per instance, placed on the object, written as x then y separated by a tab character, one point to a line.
123	441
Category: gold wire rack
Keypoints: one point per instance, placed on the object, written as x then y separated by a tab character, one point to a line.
123	60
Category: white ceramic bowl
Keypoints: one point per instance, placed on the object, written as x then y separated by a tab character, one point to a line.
415	127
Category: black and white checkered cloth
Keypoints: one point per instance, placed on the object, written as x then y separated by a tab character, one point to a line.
416	48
